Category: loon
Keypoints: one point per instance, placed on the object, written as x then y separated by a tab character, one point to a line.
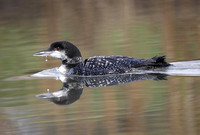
72	63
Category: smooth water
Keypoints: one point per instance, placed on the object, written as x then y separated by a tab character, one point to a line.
150	104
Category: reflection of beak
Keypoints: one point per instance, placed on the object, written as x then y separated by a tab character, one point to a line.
45	96
42	53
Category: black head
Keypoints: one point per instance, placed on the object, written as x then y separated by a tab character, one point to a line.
62	50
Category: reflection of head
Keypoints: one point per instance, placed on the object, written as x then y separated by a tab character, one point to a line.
69	93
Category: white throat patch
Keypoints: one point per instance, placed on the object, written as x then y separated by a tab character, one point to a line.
62	69
61	55
58	54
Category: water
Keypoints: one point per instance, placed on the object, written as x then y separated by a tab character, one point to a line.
46	59
130	28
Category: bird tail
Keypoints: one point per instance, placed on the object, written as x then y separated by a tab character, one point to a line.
157	62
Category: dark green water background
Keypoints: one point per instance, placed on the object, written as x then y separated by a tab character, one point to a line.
134	28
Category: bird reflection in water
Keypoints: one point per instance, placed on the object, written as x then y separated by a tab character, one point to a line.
73	86
69	93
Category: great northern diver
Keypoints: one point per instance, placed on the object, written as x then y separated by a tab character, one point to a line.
72	62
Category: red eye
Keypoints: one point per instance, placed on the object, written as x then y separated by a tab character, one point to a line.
58	48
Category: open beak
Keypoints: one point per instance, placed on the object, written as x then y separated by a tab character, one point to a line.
43	53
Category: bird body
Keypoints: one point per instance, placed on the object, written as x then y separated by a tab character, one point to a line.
72	62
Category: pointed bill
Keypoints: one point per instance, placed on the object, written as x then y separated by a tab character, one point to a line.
45	96
43	53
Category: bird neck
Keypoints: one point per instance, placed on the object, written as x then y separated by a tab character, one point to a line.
68	64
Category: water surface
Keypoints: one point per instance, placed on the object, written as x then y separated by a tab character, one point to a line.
130	28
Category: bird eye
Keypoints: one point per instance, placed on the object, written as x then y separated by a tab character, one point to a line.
58	48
